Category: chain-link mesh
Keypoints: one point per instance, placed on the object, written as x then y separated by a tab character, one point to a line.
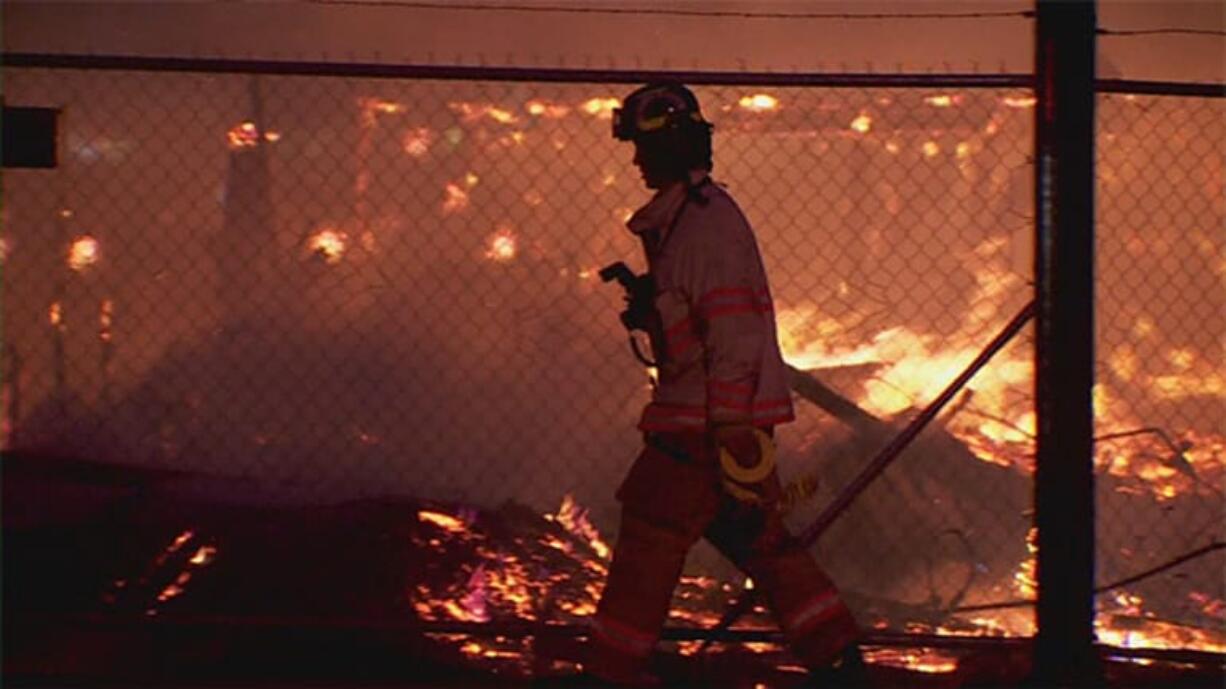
357	287
1160	396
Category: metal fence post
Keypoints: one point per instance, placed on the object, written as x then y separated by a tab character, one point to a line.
1064	280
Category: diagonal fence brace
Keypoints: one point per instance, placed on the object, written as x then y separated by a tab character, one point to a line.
887	455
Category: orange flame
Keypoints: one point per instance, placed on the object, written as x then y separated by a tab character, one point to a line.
83	252
502	246
759	102
243	135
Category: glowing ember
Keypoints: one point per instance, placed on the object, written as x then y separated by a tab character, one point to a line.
600	107
416	141
55	314
329	244
83	252
931	149
473	112
443	521
372	107
1137	631
552	111
942	101
106	317
204	556
501	246
502	116
1209	606
473	604
455	198
1019	101
759	102
243	135
928	660
862	124
1025	579
574	519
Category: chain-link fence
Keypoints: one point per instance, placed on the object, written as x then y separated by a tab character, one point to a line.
352	287
1160	394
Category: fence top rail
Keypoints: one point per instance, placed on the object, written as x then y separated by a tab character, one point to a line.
522	74
583	75
1160	88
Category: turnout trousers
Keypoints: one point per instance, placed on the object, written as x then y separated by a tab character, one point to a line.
671	497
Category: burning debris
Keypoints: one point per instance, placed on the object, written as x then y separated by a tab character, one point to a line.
946	529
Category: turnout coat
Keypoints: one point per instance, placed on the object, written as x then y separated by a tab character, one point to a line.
715	342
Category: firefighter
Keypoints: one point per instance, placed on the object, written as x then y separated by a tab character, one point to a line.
707	468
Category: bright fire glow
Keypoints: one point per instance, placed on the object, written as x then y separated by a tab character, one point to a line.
927	660
416	141
1019	101
551	111
455	198
759	102
600	107
329	244
862	124
204	556
502	246
574	519
443	521
83	252
243	135
942	101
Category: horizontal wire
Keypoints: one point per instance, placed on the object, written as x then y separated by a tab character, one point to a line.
468	6
1155	32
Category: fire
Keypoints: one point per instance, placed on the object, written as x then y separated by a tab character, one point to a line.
574	519
455	198
243	135
83	252
502	246
371	108
759	102
204	556
1138	631
600	107
106	317
930	149
443	521
927	660
55	314
416	141
551	111
942	101
1025	579
862	124
1019	101
329	244
472	112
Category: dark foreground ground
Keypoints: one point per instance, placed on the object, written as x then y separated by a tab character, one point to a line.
265	591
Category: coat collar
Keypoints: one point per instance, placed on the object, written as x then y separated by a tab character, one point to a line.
662	209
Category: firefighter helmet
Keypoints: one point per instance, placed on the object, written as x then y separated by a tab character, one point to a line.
656	107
